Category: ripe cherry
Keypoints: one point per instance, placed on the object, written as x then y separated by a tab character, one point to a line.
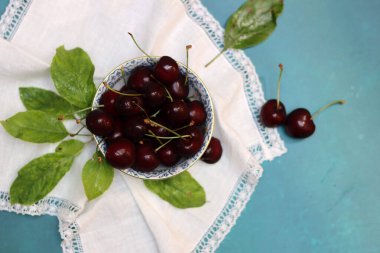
189	146
178	89
197	112
168	155
166	70
146	159
273	112
135	128
176	113
155	95
213	152
129	105
121	154
140	78
99	122
300	124
117	132
108	100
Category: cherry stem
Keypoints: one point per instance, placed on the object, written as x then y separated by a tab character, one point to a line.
62	117
142	109
123	75
169	137
188	47
216	57
189	125
163	145
279	84
121	93
137	45
166	128
155	136
341	102
155	114
167	92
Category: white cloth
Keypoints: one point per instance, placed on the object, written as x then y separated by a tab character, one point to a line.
129	218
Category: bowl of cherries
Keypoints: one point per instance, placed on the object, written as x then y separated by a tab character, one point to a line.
153	118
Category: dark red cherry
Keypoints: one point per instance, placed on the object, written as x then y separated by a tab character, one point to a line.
155	95
271	115
158	129
117	132
129	105
197	112
176	113
166	70
139	79
213	152
299	123
146	159
189	146
108	100
121	154
177	89
99	122
135	128
168	155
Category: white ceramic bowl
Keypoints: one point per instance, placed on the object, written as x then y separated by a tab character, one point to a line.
197	89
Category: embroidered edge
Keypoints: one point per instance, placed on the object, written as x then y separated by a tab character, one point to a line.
252	86
11	18
64	210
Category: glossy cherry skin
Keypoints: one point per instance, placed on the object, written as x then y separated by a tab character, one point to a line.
177	89
139	78
168	155
299	123
158	130
213	152
197	112
176	113
191	145
166	70
129	105
99	122
146	159
155	95
271	116
108	100
117	132
134	128
121	154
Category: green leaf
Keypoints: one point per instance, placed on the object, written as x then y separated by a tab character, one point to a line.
72	72
97	176
182	191
35	126
37	178
46	101
252	23
70	147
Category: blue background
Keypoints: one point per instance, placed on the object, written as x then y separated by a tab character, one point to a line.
323	195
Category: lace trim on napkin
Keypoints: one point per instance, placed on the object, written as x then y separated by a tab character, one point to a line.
63	209
238	59
12	16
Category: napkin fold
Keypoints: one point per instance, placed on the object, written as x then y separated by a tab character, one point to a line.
128	217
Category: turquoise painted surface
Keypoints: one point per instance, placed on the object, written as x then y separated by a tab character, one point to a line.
3	5
322	196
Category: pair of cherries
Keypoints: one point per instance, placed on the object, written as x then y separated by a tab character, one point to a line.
298	124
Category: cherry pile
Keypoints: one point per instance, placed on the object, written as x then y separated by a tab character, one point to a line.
298	124
152	120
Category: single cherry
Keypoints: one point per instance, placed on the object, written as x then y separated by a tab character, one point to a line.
108	100
178	89
197	112
99	122
168	155
155	95
140	78
159	129
176	113
129	105
189	146
134	128
273	112
300	123
121	154
213	152
117	132
166	70
146	158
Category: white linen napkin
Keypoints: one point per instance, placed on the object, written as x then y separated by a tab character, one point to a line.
129	218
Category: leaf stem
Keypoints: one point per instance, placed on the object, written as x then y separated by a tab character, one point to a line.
341	102
216	57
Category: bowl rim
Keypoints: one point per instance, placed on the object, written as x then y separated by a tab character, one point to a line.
211	108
